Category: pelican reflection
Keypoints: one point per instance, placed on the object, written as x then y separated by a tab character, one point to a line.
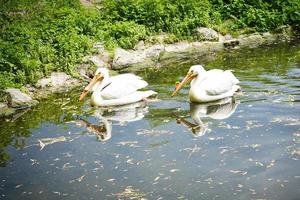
119	115
219	110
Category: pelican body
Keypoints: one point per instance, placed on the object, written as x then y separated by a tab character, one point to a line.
207	86
117	90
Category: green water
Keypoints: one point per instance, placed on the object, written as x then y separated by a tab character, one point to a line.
62	149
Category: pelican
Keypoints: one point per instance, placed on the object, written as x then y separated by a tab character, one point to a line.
117	90
207	86
218	110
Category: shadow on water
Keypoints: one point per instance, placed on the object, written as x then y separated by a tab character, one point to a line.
248	149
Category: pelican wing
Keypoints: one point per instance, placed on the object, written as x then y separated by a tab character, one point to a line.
122	85
218	82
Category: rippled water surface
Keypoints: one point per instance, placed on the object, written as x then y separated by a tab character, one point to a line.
242	148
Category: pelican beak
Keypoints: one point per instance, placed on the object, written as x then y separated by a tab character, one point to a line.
88	88
186	80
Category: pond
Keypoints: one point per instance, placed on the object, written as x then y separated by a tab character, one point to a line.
165	149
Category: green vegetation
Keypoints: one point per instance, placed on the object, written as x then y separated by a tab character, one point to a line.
40	36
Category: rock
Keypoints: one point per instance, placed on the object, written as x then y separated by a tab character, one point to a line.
56	81
177	47
6	112
97	61
140	45
223	38
269	38
207	47
16	98
250	41
124	59
59	78
85	71
44	82
154	51
159	39
228	37
207	34
3	105
230	44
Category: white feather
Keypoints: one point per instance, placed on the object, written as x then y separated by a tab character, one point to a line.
119	90
212	85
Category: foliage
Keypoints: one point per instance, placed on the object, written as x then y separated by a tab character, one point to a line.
261	15
179	17
41	36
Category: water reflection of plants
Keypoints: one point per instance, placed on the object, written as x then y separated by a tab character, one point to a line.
54	110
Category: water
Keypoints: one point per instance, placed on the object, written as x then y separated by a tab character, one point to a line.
64	149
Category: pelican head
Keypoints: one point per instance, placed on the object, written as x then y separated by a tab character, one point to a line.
100	74
193	72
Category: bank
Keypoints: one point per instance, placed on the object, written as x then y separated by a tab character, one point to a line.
142	56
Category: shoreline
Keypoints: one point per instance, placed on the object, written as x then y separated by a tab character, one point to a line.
143	56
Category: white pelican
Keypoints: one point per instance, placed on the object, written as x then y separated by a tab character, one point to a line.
117	90
219	110
209	85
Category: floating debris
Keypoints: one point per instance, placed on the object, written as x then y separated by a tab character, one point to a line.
174	170
193	150
128	143
153	132
272	163
34	162
80	178
67	166
255	146
47	141
18	186
287	120
131	193
253	124
238	172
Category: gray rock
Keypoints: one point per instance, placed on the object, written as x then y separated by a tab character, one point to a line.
269	38
154	51
177	47
59	78
3	105
140	45
250	41
207	47
97	61
55	81
44	82
5	112
231	44
123	58
207	34
85	71
16	98
223	38
228	37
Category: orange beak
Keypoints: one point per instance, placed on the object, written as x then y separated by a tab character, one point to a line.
88	88
180	85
